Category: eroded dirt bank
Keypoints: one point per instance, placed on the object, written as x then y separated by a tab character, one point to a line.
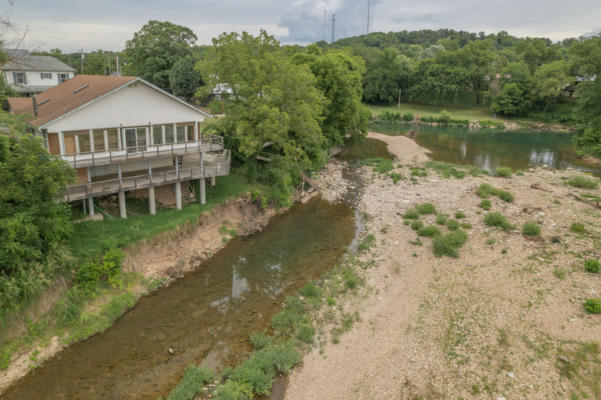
504	320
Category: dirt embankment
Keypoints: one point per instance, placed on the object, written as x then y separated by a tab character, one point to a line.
402	147
504	320
165	257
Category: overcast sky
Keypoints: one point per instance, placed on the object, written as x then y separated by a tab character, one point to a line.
106	24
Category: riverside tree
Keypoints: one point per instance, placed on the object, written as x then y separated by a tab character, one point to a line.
155	48
34	221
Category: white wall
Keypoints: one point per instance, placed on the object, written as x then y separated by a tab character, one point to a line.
34	78
134	105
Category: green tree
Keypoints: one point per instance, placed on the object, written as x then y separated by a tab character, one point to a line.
587	64
153	51
511	100
338	77
34	219
184	80
548	80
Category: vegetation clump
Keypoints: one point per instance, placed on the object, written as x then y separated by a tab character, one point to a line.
497	220
448	244
592	306
195	377
583	182
429	231
441	219
380	165
578	227
425	209
485	204
531	229
417	225
452	224
592	266
485	190
504	172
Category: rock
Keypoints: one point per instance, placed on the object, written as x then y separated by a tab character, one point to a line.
171	351
511	375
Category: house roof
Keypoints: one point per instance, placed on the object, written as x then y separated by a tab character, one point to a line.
21	60
73	94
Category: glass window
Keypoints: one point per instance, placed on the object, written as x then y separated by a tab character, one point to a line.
45	75
141	136
99	140
168	134
63	77
181	134
19	78
113	136
84	142
157	134
190	132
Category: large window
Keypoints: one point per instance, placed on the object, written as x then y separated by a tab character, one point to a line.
168	134
77	142
20	78
45	75
99	140
157	134
84	142
181	134
113	137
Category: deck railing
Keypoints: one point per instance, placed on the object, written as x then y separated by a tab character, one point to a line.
219	166
208	143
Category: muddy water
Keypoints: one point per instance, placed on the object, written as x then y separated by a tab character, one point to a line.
205	317
367	148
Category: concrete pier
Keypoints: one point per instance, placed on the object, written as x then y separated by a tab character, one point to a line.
212	180
178	195
203	191
122	209
152	207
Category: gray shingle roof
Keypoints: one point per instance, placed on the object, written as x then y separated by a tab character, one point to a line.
21	60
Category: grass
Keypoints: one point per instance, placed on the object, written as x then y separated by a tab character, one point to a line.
471	113
578	227
441	219
485	191
90	237
497	220
583	182
417	225
504	172
531	229
459	215
593	266
425	209
485	205
367	243
429	231
452	224
192	383
381	165
449	244
592	306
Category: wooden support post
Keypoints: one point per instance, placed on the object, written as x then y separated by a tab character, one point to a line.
151	201
122	209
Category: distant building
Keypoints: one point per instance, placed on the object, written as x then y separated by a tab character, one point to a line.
29	74
122	134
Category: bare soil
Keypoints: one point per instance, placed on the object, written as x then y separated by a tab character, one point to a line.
504	320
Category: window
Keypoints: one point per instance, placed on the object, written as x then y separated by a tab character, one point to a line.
99	140
63	77
77	142
113	136
168	134
19	78
157	134
45	75
190	133
181	134
84	142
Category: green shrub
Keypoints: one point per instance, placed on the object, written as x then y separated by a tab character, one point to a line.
491	241
578	227
426	208
505	196
351	280
448	244
305	333
465	225
108	269
411	214
310	290
485	205
497	220
260	340
429	231
452	224
380	165
484	190
287	321
593	266
417	225
504	172
531	229
584	182
234	390
5	357
447	170
395	176
192	383
593	306
459	215
441	219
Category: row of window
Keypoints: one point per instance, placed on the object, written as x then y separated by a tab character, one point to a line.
135	138
21	77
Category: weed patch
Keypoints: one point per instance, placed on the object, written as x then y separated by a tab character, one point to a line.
504	172
497	220
531	229
592	266
583	182
592	306
429	231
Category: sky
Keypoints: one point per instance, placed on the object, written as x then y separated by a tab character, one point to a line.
71	25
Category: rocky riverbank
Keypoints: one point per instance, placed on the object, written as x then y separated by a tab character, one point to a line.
504	320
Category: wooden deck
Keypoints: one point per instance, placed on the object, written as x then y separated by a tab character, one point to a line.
215	166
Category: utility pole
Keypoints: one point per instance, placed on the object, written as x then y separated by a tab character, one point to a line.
333	27
368	7
117	65
81	69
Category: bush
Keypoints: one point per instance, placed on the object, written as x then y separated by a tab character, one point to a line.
426	208
497	220
504	172
505	196
260	340
584	182
441	219
305	333
592	266
459	215
578	227
531	229
592	306
448	244
452	224
310	290
485	205
429	231
411	214
417	225
485	191
192	383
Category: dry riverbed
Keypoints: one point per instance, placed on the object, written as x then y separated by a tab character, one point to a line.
504	320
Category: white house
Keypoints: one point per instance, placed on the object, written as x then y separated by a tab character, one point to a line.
31	74
121	133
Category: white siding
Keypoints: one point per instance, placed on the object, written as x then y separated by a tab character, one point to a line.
35	79
134	105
